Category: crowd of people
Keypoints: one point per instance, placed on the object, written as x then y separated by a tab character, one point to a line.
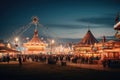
53	59
50	58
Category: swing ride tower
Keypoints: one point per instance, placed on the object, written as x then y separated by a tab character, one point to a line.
35	45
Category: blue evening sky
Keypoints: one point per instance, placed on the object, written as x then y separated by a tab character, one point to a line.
66	18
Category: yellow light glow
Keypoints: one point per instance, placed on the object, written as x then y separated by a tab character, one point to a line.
53	41
16	39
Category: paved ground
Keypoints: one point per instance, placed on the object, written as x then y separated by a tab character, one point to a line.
94	66
42	71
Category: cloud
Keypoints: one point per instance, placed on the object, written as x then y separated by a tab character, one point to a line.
81	25
105	20
110	37
99	21
64	26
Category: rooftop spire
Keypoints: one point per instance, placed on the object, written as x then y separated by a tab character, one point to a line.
35	21
117	18
104	39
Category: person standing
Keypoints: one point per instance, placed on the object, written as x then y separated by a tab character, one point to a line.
104	63
20	60
8	58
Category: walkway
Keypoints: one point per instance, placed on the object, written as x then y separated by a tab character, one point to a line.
86	66
93	66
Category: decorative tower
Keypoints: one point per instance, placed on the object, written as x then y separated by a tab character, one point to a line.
35	45
117	27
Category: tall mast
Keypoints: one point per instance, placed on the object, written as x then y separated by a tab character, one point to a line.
35	22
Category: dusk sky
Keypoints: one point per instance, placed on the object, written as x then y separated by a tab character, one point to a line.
66	18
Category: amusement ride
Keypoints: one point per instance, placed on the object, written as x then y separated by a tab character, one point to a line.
49	42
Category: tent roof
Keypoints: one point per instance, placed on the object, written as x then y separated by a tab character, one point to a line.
35	38
117	26
88	39
6	49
